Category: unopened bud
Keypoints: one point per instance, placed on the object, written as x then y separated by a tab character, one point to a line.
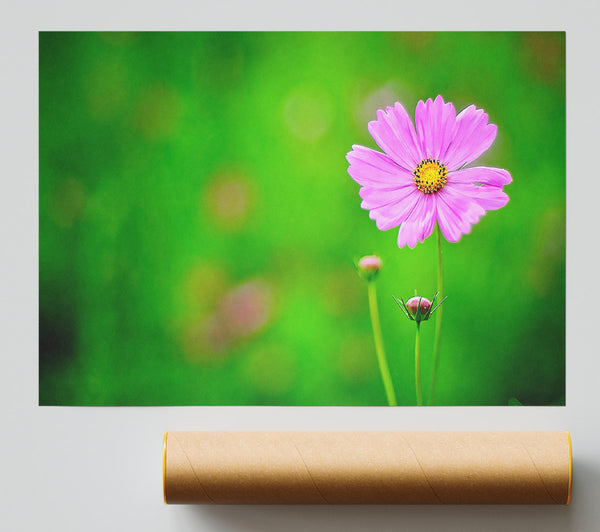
412	305
418	308
369	266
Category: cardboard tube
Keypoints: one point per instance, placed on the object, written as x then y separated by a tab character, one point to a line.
367	467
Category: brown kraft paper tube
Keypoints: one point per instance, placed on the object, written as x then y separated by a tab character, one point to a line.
367	467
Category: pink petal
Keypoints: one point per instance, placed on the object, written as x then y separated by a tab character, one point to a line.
472	135
408	235
435	123
464	206
376	197
430	217
450	224
370	167
395	135
487	197
419	225
485	175
392	214
456	214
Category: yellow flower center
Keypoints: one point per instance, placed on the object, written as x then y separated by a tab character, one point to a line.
430	176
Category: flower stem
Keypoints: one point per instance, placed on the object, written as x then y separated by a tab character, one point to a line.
438	321
383	367
418	365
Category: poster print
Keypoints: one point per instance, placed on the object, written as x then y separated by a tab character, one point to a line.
302	218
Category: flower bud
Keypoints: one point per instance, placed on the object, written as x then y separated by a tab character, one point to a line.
412	305
418	308
369	266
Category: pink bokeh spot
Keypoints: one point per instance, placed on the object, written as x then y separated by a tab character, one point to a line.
246	308
240	314
450	141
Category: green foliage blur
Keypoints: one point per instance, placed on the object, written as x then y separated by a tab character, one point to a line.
198	227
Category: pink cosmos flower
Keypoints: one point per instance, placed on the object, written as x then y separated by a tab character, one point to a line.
421	179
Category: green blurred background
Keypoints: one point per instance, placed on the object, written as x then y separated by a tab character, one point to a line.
198	227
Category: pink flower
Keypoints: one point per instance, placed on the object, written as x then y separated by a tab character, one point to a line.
421	179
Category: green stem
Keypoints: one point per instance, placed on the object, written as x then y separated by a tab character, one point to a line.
383	367
438	320
418	365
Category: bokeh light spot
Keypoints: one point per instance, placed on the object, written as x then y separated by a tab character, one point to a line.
548	260
158	112
229	199
118	38
307	114
416	41
544	55
239	314
203	285
67	202
366	106
205	340
246	308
